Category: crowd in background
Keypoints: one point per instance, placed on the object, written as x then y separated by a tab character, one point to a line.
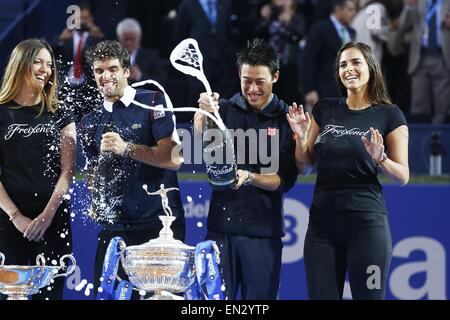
306	33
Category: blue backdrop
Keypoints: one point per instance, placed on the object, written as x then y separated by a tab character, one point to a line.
419	218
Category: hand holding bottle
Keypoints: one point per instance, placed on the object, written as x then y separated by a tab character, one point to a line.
111	141
204	102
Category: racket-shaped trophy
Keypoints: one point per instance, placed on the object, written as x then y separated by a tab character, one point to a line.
218	145
187	58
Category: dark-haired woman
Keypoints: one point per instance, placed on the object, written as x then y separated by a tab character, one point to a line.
37	155
351	139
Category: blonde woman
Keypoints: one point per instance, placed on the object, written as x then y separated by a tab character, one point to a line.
37	156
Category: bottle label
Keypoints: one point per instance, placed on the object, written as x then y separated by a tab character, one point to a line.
218	154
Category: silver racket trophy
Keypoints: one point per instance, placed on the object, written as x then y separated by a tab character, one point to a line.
218	145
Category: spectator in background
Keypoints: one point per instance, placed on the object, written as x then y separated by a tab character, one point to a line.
316	10
284	29
395	64
428	22
208	21
245	18
322	44
145	63
371	24
77	81
107	14
152	16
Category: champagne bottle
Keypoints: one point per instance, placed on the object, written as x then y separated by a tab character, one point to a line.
218	154
108	181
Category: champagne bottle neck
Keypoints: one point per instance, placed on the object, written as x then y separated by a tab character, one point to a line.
211	123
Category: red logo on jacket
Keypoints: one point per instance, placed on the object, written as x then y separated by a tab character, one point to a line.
271	131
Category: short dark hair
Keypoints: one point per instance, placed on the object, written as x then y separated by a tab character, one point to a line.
259	53
338	3
109	49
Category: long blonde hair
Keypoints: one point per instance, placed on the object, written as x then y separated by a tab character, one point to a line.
18	73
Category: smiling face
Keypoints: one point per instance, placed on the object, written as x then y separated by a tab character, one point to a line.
111	78
353	70
31	75
257	84
42	68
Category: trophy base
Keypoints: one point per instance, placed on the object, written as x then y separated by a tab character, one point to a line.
160	297
17	297
165	295
18	292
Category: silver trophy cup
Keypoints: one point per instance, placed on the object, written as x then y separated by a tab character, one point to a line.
19	282
163	265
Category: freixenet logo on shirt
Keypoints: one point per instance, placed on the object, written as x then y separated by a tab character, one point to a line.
26	130
339	131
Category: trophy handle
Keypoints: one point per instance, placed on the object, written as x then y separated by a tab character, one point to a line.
122	247
40	262
70	269
2	258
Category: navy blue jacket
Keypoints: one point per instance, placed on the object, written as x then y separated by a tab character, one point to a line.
145	127
322	45
251	211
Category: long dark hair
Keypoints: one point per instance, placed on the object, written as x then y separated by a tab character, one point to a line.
377	89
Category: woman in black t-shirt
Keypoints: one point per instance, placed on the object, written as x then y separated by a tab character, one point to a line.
37	156
346	138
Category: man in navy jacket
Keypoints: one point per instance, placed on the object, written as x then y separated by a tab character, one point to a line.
247	222
141	141
322	45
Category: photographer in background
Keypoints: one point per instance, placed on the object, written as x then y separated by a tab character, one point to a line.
77	81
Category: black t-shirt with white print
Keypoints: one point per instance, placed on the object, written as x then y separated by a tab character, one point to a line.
346	173
30	154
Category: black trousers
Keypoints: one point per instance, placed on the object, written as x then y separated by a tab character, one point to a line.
131	238
357	243
251	264
57	242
